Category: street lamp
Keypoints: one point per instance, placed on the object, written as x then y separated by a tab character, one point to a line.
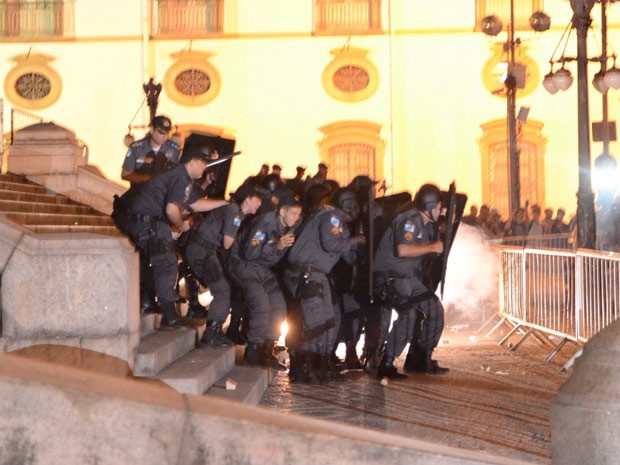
602	81
491	25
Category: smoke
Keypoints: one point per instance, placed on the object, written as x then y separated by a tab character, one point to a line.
470	292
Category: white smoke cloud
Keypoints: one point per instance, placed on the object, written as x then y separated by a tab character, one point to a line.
471	287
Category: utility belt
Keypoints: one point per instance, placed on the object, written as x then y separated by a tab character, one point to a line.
145	218
387	293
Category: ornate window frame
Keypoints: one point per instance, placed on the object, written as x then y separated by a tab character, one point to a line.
493	147
353	132
36	63
192	60
350	56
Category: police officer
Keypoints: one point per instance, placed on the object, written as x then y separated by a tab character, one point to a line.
145	158
156	214
346	278
253	257
322	240
151	155
399	276
215	233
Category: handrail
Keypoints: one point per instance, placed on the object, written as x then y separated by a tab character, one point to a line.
21	119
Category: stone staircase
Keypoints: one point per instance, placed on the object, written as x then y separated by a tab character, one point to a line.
173	357
35	208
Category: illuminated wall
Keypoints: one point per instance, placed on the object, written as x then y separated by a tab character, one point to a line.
430	101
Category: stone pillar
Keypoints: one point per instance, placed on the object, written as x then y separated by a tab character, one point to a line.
45	149
585	415
72	289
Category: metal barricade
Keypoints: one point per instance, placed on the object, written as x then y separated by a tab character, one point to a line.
558	296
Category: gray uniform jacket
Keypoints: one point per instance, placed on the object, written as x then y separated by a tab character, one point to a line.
406	228
173	186
260	244
140	156
323	239
220	222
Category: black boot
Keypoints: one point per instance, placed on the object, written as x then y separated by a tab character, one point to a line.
387	369
351	362
294	366
214	336
308	373
432	366
252	355
269	358
415	361
234	332
170	318
148	304
371	358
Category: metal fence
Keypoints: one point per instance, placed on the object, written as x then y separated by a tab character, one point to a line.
568	294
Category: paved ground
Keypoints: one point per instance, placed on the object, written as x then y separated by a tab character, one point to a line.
492	399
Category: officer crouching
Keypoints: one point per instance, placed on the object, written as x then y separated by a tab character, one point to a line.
257	251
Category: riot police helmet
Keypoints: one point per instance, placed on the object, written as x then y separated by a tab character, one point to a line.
428	197
346	200
271	182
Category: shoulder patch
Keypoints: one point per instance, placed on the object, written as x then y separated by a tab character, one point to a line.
258	237
236	220
335	221
409	226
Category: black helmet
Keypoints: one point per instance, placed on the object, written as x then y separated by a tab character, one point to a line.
427	197
271	182
346	200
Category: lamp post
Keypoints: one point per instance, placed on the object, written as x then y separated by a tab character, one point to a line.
603	80
491	25
514	169
586	228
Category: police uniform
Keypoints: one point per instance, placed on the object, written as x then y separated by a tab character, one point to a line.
401	283
142	159
252	259
150	230
201	256
322	240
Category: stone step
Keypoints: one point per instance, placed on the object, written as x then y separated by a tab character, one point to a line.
24	186
196	371
11	177
43	207
55	199
250	384
28	219
161	348
73	228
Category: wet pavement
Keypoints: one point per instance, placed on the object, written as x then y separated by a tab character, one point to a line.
491	400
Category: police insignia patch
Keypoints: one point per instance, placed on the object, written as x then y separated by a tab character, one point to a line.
335	221
258	237
409	227
236	221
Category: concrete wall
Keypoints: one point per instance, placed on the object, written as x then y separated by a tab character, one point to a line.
73	289
50	414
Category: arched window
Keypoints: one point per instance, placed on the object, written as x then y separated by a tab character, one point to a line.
495	176
352	148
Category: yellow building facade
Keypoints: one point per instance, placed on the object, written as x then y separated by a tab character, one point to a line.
408	91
